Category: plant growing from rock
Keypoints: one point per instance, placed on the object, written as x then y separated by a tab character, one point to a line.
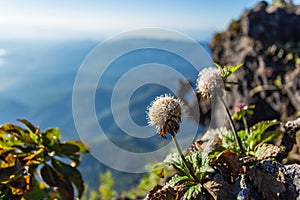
165	113
33	164
223	158
210	83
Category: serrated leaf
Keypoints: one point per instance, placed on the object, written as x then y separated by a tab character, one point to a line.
83	148
176	179
175	160
72	173
193	192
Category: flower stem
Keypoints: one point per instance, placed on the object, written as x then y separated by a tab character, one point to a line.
184	160
245	124
237	139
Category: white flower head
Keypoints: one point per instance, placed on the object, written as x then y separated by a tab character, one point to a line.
209	80
165	113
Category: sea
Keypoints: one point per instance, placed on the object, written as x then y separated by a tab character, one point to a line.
39	78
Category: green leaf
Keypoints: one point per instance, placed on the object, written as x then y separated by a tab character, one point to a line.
193	192
180	166
175	160
51	137
227	71
65	149
232	69
271	135
82	146
34	137
176	179
35	193
263	126
16	131
257	133
50	176
53	132
53	179
69	148
30	127
71	172
194	160
157	168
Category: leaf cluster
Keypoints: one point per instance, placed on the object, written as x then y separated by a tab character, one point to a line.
200	163
28	152
258	134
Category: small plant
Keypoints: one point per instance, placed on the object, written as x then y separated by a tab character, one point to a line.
165	113
28	152
210	84
258	134
200	164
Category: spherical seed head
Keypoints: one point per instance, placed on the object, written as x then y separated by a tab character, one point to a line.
209	80
165	113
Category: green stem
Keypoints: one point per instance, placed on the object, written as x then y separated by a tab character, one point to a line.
237	139
184	160
245	124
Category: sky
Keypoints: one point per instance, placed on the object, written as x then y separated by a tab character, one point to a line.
98	19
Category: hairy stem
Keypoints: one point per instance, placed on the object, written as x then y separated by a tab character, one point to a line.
184	160
237	139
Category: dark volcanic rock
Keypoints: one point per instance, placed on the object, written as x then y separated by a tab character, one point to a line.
266	39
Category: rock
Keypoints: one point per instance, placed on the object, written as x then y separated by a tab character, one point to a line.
271	180
293	172
218	188
266	39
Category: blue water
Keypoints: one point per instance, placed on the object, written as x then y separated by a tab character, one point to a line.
37	79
